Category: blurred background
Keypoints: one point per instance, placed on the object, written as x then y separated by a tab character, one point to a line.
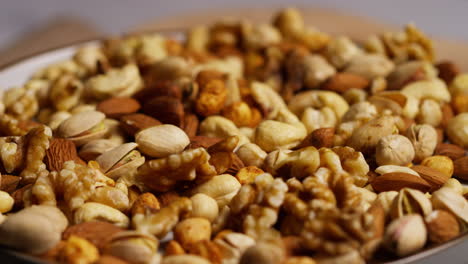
28	26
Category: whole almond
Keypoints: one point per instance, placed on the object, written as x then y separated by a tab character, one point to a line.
396	181
190	124
166	109
434	177
319	138
98	233
203	141
61	150
133	123
442	226
9	183
461	168
342	82
447	71
450	150
116	107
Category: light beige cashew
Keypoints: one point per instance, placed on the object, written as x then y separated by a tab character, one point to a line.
316	70
92	211
315	119
370	65
251	154
218	126
271	135
260	35
317	100
341	50
125	81
435	89
232	66
268	98
362	111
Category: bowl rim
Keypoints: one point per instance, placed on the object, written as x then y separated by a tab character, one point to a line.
418	256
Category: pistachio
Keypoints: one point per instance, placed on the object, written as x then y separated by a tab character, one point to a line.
448	199
83	127
132	246
120	160
410	201
406	235
94	148
161	141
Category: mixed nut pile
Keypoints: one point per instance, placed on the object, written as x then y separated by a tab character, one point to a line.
244	143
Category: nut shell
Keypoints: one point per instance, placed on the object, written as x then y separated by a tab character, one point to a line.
161	141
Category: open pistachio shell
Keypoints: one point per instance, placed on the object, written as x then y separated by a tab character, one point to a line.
447	199
83	127
410	201
94	148
120	161
109	158
133	246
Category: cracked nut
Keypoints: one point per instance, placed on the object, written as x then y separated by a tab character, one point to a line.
406	235
161	141
83	127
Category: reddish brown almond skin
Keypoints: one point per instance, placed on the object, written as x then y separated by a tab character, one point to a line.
116	107
447	114
61	150
203	142
133	123
396	181
461	168
9	183
434	177
168	110
443	227
447	71
319	138
450	150
341	82
160	88
98	233
190	124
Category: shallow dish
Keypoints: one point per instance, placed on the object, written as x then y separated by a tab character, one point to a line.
17	73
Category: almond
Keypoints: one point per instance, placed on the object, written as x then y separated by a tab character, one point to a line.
190	124
447	71
342	82
159	88
61	150
203	141
450	150
442	226
440	135
447	114
396	181
378	212
133	123
434	177
461	168
118	106
167	109
9	183
319	138
98	233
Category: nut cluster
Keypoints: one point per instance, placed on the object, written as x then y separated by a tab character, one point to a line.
244	143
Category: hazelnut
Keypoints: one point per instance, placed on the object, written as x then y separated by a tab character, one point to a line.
424	140
441	163
192	230
394	150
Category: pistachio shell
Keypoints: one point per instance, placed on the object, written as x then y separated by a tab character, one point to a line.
406	235
94	148
79	123
126	168
161	141
109	158
133	246
409	201
447	199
